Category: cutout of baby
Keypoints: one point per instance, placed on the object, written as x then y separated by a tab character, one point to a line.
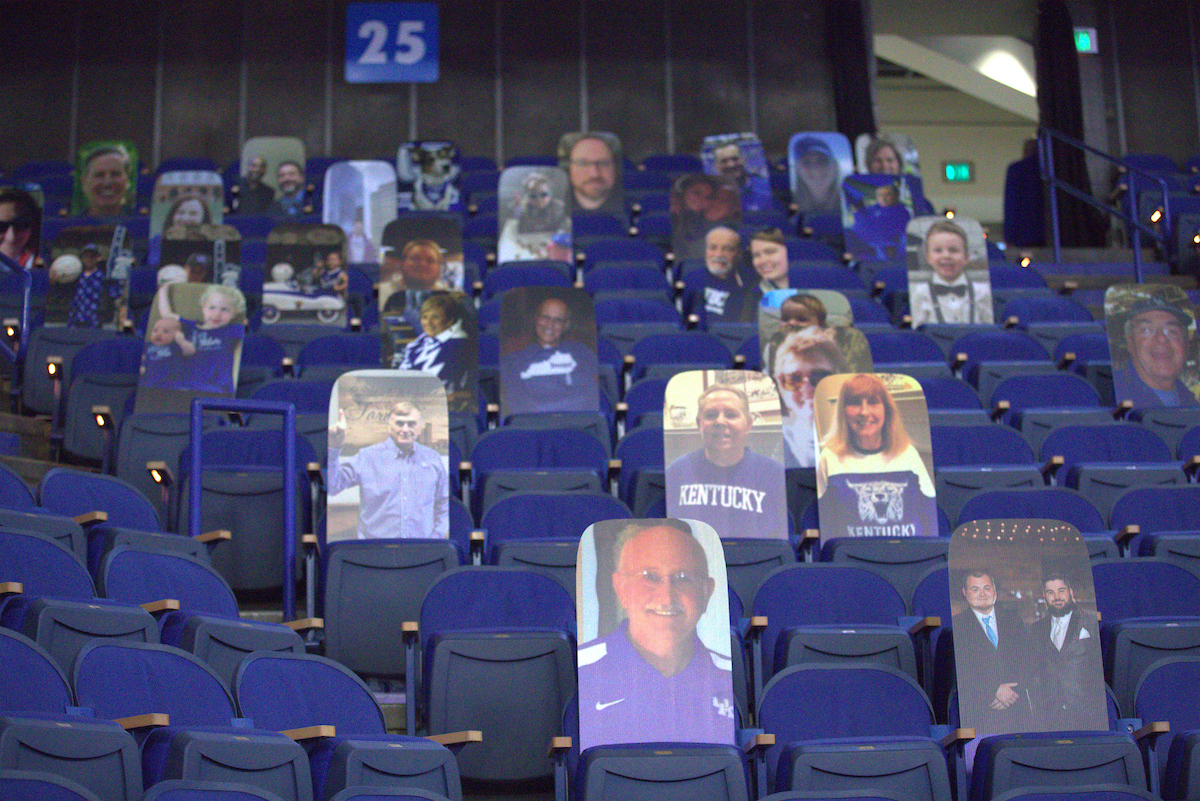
215	337
166	349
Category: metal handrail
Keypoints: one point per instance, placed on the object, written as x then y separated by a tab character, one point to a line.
1046	159
196	437
17	354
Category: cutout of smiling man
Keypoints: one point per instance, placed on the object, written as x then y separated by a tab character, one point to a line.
554	373
724	483
652	678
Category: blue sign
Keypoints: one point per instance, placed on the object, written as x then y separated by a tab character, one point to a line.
391	43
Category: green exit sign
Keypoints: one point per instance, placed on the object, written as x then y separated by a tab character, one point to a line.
958	172
1085	41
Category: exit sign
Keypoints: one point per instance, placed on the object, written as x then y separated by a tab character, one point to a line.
958	172
1085	41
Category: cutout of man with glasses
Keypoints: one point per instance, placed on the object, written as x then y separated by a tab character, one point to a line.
653	678
1157	338
404	489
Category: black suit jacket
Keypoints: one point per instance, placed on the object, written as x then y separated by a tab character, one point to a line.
982	668
1072	683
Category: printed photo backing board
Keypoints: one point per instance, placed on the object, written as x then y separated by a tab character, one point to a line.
807	335
435	260
817	163
293	291
902	145
535	222
863	491
202	254
880	207
746	169
364	399
450	353
1163	357
360	198
105	179
1052	689
273	150
746	498
595	170
693	705
958	249
427	172
698	204
210	320
107	247
186	198
544	365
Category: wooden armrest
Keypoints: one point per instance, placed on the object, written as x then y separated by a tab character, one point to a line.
906	321
1127	533
457	737
287	363
142	721
559	745
960	359
759	741
810	534
493	408
614	466
410	627
309	541
739	360
757	623
477	536
215	535
464	467
310	732
925	624
1123	409
1157	727
306	624
162	605
477	286
1191	465
621	407
957	736
1052	465
313	467
1069	286
1012	322
693	320
628	360
877	288
999	410
11	588
355	323
91	517
1067	360
578	284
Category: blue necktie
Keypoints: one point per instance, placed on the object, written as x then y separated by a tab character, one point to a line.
991	632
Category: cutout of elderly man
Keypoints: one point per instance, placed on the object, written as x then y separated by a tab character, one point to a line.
404	489
553	374
992	649
723	292
1156	335
592	168
1068	644
653	678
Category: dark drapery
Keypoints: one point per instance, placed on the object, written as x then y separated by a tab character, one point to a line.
850	54
1060	106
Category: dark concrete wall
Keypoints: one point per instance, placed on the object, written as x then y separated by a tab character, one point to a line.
661	74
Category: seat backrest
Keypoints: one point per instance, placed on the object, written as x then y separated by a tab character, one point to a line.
114	355
495	597
26	785
196	790
72	493
1045	389
815	594
119	679
1051	309
290	691
944	392
137	576
14	492
635	310
1170	508
997	345
307	396
246	449
339	349
978	445
538	515
903	346
31	680
1053	503
692	346
931	596
1091	347
516	448
1128	588
42	565
1111	442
